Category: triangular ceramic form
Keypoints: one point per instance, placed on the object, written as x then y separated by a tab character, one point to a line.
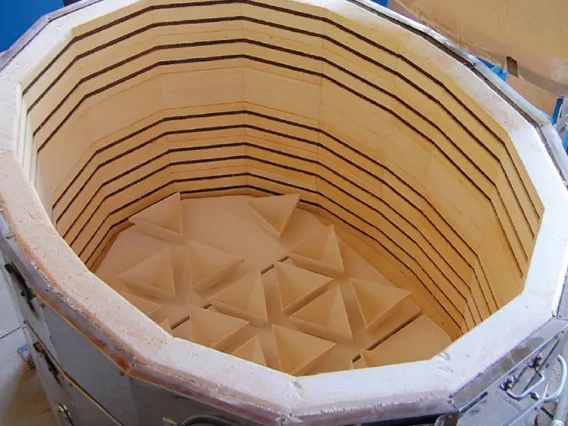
360	363
183	331
376	301
251	351
421	340
349	365
366	359
325	317
244	299
298	286
143	305
320	253
274	213
298	352
209	266
153	277
213	329
165	324
162	219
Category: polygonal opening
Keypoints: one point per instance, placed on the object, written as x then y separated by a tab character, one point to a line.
305	186
433	199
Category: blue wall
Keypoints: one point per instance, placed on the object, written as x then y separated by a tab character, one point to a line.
16	16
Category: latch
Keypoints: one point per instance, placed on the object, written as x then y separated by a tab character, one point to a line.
65	414
204	419
25	290
52	368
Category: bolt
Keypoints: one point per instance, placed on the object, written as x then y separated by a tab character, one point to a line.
509	383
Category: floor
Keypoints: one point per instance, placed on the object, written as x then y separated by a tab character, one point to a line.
22	400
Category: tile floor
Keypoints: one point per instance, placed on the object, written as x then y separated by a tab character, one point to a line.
22	400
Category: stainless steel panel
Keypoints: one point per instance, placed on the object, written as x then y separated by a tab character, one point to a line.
92	370
83	411
51	379
155	404
29	307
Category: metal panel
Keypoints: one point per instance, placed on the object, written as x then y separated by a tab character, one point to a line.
155	404
490	399
50	377
404	415
29	307
83	411
85	364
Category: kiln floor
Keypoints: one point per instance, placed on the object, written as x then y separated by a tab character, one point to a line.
270	283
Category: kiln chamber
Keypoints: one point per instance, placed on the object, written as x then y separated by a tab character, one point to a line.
333	193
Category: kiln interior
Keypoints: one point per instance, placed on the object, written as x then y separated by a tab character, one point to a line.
363	119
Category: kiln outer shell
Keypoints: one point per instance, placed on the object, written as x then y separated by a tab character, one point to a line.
134	366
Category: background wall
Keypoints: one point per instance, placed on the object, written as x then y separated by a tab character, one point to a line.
531	32
16	16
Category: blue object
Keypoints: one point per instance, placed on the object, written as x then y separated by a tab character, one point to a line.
24	353
502	74
18	15
384	3
557	107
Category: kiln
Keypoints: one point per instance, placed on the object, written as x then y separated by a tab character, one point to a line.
273	212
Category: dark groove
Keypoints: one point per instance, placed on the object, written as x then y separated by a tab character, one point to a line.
392	332
488	285
484	296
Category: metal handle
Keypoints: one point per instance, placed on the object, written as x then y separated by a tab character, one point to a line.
541	379
563	373
528	391
206	419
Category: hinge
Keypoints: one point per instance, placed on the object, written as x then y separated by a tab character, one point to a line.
40	349
25	290
204	419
